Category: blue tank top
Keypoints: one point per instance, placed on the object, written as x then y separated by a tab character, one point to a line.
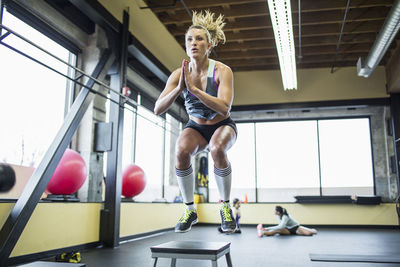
193	105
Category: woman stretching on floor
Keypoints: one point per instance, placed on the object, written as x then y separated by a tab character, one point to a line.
287	226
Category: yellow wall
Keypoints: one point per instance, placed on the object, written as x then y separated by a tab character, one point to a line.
5	209
56	225
265	87
318	214
139	218
146	27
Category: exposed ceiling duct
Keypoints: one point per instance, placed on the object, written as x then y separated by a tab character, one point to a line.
385	37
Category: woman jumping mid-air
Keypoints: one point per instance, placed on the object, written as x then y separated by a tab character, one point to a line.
207	87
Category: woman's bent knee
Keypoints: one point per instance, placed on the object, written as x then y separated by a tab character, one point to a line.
182	155
217	151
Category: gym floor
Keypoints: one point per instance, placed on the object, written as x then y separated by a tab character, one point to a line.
249	250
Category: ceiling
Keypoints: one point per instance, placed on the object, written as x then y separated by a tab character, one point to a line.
250	38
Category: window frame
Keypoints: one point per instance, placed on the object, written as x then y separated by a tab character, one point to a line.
38	24
315	118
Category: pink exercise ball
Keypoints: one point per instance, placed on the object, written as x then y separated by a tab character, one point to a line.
133	180
69	175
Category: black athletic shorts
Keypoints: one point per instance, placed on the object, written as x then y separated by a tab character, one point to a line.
293	229
208	130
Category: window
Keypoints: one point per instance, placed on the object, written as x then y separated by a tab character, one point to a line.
149	142
33	98
306	157
242	158
287	160
346	157
172	131
128	149
150	152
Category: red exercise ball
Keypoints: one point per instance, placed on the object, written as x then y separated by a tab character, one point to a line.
69	175
133	180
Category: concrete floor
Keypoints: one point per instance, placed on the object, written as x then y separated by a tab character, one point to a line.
248	250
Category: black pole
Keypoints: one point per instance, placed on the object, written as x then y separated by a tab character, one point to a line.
319	161
395	122
110	215
255	160
299	56
340	35
23	209
1	13
163	160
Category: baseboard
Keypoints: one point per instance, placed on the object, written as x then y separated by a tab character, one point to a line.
342	226
50	253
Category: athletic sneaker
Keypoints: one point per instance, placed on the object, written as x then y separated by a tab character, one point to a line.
186	221
228	224
260	230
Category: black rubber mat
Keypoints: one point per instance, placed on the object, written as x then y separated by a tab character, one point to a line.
356	258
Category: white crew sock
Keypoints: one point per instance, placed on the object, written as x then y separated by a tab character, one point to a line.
186	185
223	177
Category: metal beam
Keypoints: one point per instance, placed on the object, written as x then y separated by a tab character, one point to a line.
24	207
395	123
96	12
340	36
25	12
146	61
110	215
3	36
392	69
1	13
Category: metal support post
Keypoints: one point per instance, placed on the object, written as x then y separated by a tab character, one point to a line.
110	215
395	121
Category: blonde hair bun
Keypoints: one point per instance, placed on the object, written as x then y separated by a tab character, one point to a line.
214	27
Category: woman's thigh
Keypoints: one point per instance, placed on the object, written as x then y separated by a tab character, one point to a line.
284	231
224	137
303	231
191	141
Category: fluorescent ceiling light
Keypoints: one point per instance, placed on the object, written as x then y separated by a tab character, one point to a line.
281	18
